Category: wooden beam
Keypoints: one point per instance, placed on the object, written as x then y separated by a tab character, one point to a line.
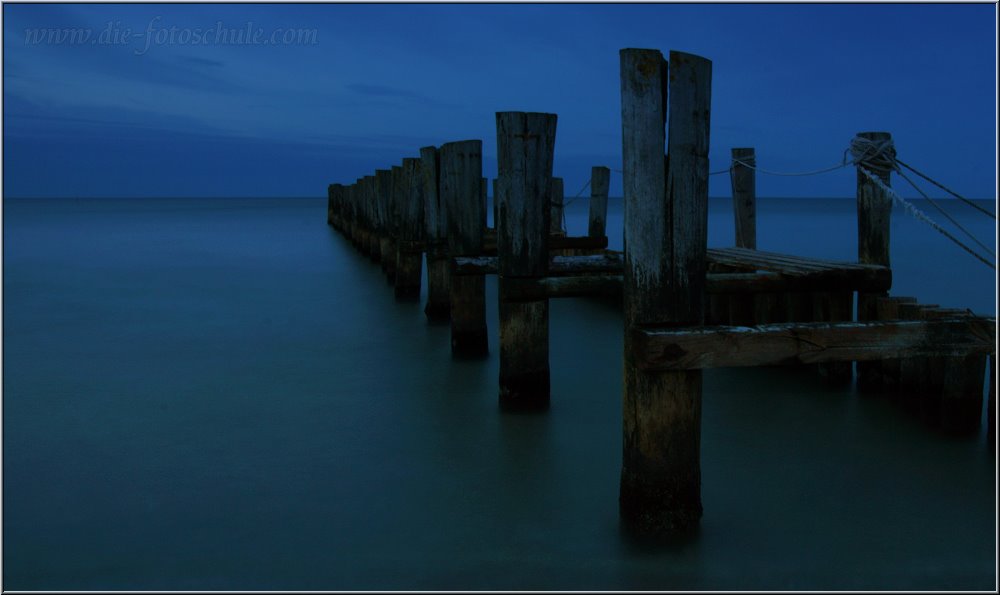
806	343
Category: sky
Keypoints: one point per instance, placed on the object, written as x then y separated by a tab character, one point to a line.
366	85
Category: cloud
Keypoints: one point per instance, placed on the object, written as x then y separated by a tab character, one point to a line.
387	92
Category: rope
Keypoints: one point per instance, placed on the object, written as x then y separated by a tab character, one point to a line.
920	214
947	216
952	192
803	173
566	203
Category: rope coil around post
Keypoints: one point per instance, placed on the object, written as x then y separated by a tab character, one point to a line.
877	157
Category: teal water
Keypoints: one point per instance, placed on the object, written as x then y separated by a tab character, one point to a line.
223	394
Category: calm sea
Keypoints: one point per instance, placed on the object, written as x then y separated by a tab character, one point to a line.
223	394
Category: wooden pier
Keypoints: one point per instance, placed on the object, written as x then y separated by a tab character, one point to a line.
686	307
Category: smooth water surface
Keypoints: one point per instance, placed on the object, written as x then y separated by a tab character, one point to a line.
223	394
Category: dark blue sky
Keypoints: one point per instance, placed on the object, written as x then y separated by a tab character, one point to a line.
380	81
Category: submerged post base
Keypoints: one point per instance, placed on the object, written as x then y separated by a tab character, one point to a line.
525	392
438	312
664	509
474	343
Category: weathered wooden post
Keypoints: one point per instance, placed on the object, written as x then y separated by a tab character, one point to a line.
525	150
991	406
435	223
411	227
874	211
834	307
371	208
362	223
888	308
483	190
496	206
666	221
352	199
600	183
556	204
461	172
743	178
329	206
962	396
383	188
911	369
392	221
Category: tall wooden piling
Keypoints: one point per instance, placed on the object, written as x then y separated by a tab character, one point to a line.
666	216
556	206
411	229
874	212
460	188
600	183
525	150
435	224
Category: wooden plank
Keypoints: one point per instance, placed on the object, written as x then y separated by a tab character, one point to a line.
459	186
525	152
744	185
783	263
600	183
813	342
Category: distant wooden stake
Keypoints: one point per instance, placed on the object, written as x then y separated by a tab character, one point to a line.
383	186
525	149
411	231
744	185
600	182
392	221
666	214
371	214
460	188
874	211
